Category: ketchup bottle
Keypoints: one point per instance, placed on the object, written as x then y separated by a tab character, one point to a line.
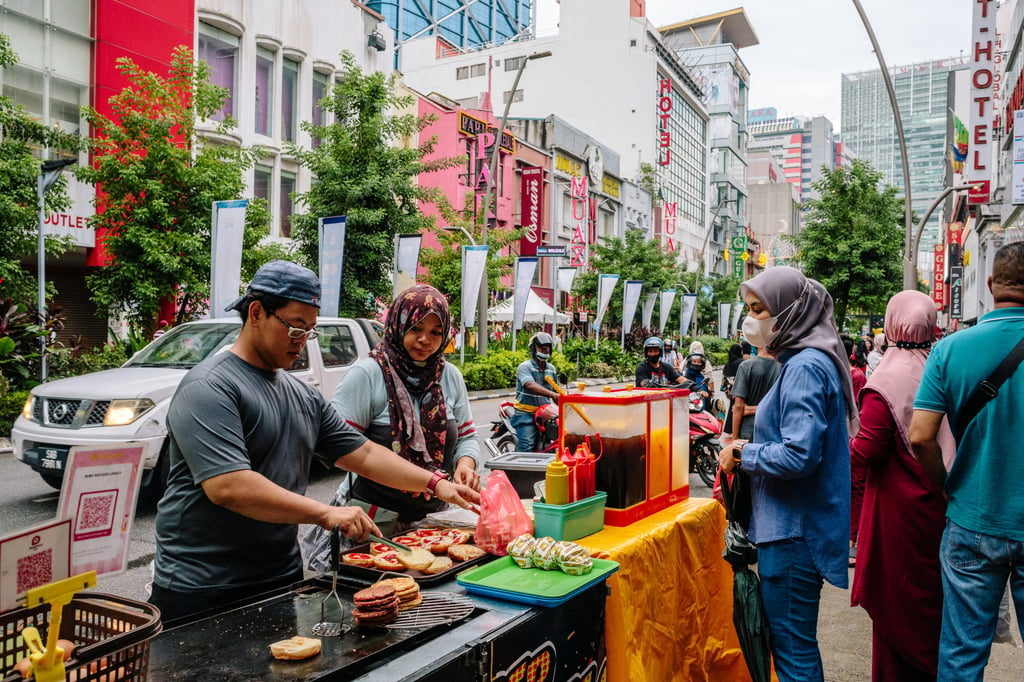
585	471
571	463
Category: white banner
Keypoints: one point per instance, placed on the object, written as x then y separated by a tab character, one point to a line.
723	320
1018	157
630	299
332	257
686	312
474	264
407	261
525	269
566	275
605	287
737	310
227	227
668	297
982	90
648	310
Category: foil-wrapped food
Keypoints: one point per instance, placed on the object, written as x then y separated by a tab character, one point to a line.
573	559
544	553
521	550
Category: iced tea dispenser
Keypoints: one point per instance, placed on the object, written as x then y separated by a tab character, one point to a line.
641	440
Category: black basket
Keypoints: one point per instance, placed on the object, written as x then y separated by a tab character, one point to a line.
111	636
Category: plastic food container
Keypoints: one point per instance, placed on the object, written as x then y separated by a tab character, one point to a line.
569	521
523	469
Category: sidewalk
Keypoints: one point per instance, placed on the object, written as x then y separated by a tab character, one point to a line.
491	394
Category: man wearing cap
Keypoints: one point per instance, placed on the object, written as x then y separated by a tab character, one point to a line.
242	436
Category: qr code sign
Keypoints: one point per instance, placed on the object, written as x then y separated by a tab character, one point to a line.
95	514
35	570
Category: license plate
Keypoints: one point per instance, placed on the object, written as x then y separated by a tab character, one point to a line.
51	458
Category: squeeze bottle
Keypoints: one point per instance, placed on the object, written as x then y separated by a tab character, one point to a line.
556	483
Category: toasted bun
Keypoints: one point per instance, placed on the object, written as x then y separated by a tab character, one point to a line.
358	559
416	559
295	649
465	552
388	562
441	563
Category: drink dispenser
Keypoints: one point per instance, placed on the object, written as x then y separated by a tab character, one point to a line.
641	441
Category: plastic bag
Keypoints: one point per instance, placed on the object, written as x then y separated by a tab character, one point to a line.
503	517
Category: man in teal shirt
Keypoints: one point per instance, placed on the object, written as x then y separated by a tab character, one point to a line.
983	544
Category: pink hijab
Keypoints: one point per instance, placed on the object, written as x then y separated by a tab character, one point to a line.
909	331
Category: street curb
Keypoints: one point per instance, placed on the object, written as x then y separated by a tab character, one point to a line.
5	447
491	394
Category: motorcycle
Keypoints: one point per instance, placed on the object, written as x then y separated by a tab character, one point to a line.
705	431
503	437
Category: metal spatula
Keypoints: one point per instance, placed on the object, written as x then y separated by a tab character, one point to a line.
325	628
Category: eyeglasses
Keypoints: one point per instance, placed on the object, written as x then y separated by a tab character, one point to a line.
297	332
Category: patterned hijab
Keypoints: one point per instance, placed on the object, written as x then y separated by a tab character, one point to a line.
804	308
416	436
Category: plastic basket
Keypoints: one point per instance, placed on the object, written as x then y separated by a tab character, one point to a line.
569	521
111	636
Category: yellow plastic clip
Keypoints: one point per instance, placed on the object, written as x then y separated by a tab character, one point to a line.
47	664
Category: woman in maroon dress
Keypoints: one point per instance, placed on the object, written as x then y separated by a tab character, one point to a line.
897	579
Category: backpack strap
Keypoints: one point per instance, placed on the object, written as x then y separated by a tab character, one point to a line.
989	388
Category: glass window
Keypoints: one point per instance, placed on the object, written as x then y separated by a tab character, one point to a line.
337	347
461	73
264	90
73	15
219	49
287	187
478	70
319	92
289	99
513	63
517	98
261	182
302	362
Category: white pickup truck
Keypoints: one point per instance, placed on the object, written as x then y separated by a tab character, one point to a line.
129	404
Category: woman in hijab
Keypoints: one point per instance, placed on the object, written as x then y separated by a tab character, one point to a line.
798	462
407	398
898	581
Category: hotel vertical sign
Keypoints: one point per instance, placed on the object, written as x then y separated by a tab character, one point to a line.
983	47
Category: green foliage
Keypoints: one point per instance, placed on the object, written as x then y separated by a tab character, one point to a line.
19	170
363	172
158	183
852	240
444	265
77	360
607	360
498	368
20	341
11	404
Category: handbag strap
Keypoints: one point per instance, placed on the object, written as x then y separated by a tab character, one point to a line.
989	388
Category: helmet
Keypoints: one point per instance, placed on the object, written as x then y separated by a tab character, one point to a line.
546	418
540	339
653	342
670	344
696	348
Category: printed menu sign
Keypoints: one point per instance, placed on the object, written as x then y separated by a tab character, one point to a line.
32	558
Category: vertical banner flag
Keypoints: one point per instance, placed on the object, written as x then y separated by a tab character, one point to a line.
605	286
958	150
737	310
648	309
668	297
566	275
474	263
407	260
227	226
332	257
982	91
531	200
1017	173
525	270
686	312
723	320
630	299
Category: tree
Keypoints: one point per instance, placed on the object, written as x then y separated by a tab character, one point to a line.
362	173
444	265
20	136
852	240
157	181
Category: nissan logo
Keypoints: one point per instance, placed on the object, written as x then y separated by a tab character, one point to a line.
60	412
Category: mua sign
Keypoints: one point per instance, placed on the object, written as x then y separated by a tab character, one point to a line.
531	200
979	156
578	245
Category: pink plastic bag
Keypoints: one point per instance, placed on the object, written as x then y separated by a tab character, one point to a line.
503	517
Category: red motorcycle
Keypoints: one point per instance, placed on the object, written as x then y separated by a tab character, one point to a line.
503	437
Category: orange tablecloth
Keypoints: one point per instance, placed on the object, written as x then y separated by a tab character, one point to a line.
669	611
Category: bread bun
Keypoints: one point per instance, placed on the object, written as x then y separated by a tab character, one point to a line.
295	649
465	552
388	562
440	564
358	559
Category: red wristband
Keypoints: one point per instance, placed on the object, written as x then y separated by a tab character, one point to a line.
438	475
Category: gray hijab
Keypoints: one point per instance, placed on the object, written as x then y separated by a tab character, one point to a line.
809	323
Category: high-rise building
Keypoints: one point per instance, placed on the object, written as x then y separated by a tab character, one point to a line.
924	94
710	46
460	23
801	145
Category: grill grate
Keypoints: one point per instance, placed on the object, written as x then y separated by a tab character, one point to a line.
98	413
438	608
61	411
37	410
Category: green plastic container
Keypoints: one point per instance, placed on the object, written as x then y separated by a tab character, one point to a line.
569	521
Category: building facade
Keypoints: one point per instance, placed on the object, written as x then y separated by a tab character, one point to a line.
801	145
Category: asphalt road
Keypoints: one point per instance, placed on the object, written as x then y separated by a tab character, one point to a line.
844	632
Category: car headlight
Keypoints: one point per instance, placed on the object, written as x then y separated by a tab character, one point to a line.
122	412
26	411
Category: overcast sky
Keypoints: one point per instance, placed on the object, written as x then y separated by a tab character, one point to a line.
805	45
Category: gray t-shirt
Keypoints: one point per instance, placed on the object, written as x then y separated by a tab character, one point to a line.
753	379
529	371
228	415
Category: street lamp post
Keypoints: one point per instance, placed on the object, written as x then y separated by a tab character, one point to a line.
931	209
700	263
481	310
49	173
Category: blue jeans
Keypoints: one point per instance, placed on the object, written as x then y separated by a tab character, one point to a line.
791	591
526	430
975	568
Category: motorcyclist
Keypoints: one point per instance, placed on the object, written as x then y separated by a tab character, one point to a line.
533	391
652	371
698	370
671	357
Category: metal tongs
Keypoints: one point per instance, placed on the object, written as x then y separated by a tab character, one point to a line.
325	628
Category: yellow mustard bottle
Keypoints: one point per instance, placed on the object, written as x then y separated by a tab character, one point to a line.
556	483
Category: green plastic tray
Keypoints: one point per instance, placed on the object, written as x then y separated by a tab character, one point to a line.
503	579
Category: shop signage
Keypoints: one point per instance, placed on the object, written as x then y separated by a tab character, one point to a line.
979	156
669	211
568	166
74	226
578	245
664	113
531	200
611	186
1017	171
953	233
939	277
956	292
548	251
474	127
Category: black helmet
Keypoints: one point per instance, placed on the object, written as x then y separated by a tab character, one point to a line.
653	342
540	339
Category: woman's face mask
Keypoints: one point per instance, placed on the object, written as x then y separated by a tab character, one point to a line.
762	331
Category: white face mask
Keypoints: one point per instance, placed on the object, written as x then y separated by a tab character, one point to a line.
758	332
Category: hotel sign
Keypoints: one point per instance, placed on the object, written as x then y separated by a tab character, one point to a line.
979	154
